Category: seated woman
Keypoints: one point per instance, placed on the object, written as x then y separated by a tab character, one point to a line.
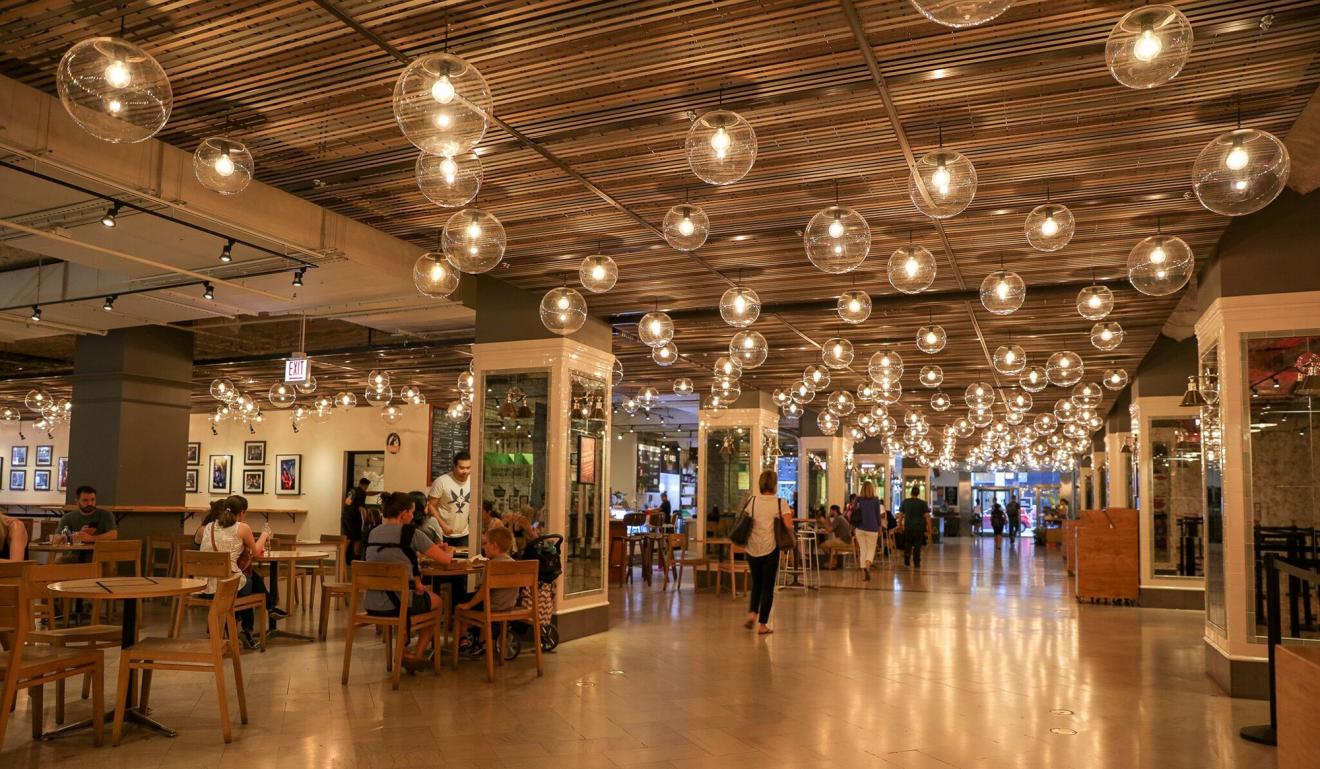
226	531
425	522
396	540
13	539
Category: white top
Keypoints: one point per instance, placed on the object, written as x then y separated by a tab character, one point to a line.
226	540
455	500
763	509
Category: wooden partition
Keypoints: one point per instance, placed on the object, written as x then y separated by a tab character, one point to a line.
1297	676
1102	552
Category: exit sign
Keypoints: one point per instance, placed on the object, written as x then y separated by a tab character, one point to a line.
297	369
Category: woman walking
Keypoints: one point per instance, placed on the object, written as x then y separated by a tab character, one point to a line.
867	520
762	554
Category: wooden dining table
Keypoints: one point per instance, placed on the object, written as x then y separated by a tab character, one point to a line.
274	558
129	590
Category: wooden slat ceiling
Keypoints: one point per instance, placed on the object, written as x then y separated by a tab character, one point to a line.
609	87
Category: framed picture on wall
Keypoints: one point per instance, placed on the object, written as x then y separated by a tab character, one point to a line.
194	454
41	480
254	452
18	456
17	480
288	474
45	456
62	474
190	480
219	469
586	459
254	481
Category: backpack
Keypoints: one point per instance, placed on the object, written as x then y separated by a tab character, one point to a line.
405	544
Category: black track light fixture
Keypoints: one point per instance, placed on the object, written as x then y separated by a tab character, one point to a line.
298	276
109	303
35	317
227	253
110	214
208	291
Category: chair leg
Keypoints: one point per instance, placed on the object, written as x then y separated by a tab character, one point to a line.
536	643
234	655
59	701
459	627
323	624
400	640
87	685
490	651
177	625
262	629
348	650
223	698
98	702
144	690
121	695
38	695
389	648
10	693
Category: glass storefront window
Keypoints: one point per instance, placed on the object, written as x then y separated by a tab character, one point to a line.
728	472
1177	544
584	568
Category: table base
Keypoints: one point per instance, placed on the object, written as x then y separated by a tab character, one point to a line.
131	716
282	633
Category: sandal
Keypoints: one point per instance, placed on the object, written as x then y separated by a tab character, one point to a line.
765	631
748	624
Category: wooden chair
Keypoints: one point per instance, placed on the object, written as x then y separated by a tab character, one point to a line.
32	667
337	589
118	558
635	541
160	556
315	573
39	577
733	566
502	574
198	564
394	578
182	544
685	557
201	655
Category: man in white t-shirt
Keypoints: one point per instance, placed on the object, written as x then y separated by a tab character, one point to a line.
450	499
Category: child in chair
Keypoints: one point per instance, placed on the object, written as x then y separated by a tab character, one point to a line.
495	545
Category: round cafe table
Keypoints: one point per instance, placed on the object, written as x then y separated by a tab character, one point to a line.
292	557
129	590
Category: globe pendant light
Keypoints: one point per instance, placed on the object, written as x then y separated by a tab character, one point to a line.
457	412
1049	227
943	183
911	269
837	353
854	306
1149	46
961	13
655	329
598	273
473	241
931	339
827	423
1087	394
1106	336
1114	379
1240	172
866	392
563	310
1095	302
281	395
1010	359
345	400
727	368
749	347
682	386
1065	410
979	395
940	401
855	433
889	392
837	240
931	376
1064	368
222	165
442	104
114	90
380	380
686	227
817	376
1160	265
791	410
1033	379
727	391
448	181
434	276
885	366
1019	403
980	417
840	403
803	392
721	147
665	356
378	397
740	306
1003	292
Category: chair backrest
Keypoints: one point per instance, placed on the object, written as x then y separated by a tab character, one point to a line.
221	613
40	576
159	542
285	541
505	574
112	553
205	564
634	519
15	608
381	575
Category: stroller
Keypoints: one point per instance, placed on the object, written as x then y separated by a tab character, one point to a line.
547	550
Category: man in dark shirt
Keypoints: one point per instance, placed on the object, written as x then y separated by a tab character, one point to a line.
1014	511
89	523
666	509
914	515
352	516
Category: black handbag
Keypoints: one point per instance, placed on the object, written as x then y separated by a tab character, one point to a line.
785	540
741	531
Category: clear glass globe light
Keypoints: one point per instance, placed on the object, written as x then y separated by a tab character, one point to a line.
817	376
378	379
911	269
1095	302
473	241
1003	292
1106	336
837	353
222	390
1064	368
827	423
114	90
682	386
802	392
377	397
749	347
223	165
442	104
1010	359
1149	46
448	182
979	395
1114	379
666	355
457	411
932	339
1087	394
1049	227
740	306
931	376
345	400
889	392
837	240
307	386
563	310
1019	402
1240	172
721	147
655	329
854	306
281	395
598	273
1160	265
686	227
961	13
940	401
840	403
727	367
943	184
885	366
1033	379
434	276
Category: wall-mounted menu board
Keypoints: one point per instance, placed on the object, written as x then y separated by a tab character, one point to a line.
447	439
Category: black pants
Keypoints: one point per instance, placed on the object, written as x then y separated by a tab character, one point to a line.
1014	528
256	584
763	570
912	542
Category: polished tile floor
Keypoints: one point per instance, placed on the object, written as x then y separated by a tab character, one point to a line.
979	660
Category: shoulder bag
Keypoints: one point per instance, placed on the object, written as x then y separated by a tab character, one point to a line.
741	531
785	539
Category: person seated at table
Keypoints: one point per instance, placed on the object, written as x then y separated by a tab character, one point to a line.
839	537
397	540
88	523
424	520
13	539
227	531
495	545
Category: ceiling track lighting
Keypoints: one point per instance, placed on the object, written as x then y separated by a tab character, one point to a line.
35	317
109	219
208	290
298	276
109	303
227	253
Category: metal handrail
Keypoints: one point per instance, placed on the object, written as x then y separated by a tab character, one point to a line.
1267	734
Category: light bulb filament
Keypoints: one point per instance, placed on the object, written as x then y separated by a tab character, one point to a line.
443	90
1148	45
